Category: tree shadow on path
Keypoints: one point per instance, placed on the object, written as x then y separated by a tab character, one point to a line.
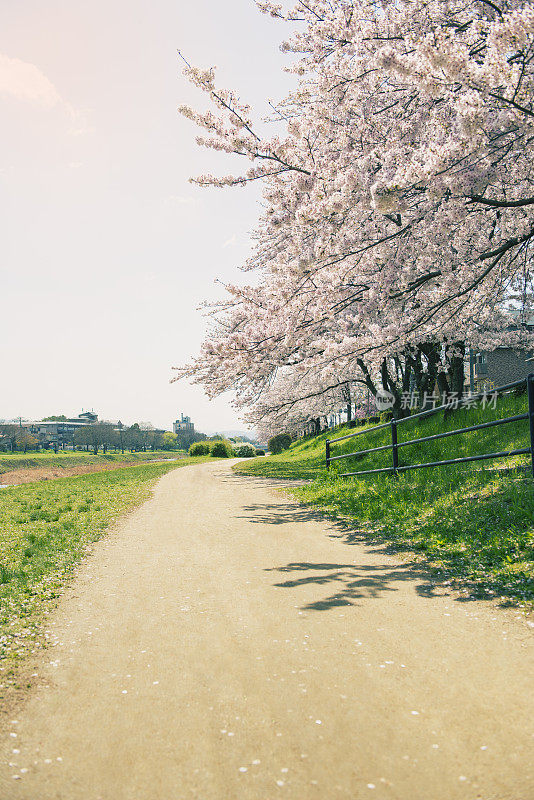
351	583
280	514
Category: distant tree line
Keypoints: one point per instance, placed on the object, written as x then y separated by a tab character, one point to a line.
103	436
13	437
100	437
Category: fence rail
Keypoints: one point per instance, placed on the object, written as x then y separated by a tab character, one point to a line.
395	444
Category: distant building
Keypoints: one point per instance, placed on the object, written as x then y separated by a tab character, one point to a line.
87	416
183	424
58	433
503	365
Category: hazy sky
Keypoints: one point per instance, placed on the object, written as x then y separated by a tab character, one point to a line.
106	250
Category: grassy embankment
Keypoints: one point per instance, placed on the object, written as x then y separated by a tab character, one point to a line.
45	529
474	522
66	459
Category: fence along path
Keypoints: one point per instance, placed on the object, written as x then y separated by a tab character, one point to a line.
395	444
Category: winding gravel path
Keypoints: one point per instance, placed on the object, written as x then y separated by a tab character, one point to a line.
222	644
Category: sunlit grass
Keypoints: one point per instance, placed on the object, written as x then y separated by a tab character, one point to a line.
306	458
475	525
475	522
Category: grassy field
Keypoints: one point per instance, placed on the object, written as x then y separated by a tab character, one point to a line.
66	459
45	530
474	522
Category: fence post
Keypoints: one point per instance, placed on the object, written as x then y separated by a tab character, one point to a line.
394	445
530	389
327	454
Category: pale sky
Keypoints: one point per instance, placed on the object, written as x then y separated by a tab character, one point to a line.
106	250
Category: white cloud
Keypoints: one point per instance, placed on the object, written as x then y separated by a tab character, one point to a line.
26	82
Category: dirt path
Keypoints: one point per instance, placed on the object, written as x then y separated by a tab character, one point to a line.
221	644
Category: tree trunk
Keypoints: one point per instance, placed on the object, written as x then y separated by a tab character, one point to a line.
391	386
457	374
425	380
367	376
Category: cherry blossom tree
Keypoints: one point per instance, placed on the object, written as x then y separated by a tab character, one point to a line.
398	199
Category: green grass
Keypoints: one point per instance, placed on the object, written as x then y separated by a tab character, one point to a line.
45	529
306	459
474	522
66	459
